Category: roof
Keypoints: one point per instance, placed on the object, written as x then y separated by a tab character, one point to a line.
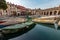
21	7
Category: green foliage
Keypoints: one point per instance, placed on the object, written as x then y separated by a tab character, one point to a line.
3	4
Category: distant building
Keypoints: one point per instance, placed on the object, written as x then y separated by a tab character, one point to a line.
46	12
18	10
12	10
34	11
21	10
50	11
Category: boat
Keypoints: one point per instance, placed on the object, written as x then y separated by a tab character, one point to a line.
53	21
2	22
46	19
8	31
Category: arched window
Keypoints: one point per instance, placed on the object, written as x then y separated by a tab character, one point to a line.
50	13
59	13
55	12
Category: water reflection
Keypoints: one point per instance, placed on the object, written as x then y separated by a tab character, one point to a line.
40	32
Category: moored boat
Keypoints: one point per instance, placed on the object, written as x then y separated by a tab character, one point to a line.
49	20
13	29
2	22
46	19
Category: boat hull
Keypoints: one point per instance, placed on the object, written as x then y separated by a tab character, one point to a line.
10	33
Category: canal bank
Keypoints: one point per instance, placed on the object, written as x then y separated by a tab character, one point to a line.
12	20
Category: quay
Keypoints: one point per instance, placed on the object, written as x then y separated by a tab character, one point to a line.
12	20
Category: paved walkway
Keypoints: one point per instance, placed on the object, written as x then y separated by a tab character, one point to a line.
13	21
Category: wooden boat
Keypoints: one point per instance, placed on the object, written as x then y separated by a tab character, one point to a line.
14	29
2	22
49	20
46	19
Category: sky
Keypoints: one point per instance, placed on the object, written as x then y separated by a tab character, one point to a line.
43	4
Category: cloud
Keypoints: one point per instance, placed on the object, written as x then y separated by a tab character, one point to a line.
14	1
36	4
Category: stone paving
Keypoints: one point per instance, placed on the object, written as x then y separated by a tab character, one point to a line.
13	21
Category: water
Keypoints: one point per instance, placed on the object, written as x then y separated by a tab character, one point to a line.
40	32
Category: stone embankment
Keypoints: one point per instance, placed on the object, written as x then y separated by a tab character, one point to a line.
13	21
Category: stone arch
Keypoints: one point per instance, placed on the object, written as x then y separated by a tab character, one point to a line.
55	12
18	14
44	13
51	13
47	13
59	13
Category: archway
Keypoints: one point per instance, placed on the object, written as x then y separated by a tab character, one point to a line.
50	13
55	12
47	13
44	13
59	13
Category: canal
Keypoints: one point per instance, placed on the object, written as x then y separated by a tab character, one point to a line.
40	32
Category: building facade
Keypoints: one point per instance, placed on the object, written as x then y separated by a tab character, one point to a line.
11	10
46	12
50	11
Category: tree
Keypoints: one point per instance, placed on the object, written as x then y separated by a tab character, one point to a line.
3	4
